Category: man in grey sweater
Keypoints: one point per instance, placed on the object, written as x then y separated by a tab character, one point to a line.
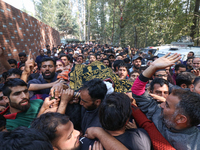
177	118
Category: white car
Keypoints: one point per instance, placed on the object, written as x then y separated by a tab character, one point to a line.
180	50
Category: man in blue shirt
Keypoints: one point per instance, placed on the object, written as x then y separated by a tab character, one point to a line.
39	57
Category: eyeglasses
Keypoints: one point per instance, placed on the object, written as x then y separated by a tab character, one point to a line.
161	75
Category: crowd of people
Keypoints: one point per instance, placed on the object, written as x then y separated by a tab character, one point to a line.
40	110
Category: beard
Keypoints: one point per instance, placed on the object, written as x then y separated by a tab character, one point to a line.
48	77
19	106
168	122
136	66
92	107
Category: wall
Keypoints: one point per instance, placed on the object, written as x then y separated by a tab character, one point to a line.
19	32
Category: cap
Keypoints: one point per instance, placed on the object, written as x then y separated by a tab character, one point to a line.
136	57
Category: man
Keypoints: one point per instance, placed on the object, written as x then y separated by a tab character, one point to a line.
21	111
92	93
136	63
24	138
13	73
40	57
195	87
150	53
62	134
106	62
119	57
92	58
86	60
185	79
111	58
13	63
59	129
115	66
48	48
160	74
123	71
179	68
3	98
114	114
159	89
22	58
79	59
47	79
65	58
190	54
189	64
196	63
176	119
98	57
133	75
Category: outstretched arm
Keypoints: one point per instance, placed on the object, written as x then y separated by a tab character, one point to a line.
108	141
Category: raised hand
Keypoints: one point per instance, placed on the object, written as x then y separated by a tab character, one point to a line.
166	61
161	63
29	64
67	95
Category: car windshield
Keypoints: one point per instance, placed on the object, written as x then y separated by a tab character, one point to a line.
161	55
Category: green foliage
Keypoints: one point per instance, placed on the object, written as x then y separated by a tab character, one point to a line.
137	23
141	23
57	14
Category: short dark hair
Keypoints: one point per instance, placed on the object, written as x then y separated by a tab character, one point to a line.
93	55
189	105
127	60
97	89
12	83
177	66
14	71
48	123
114	111
123	65
134	71
159	81
80	56
185	78
24	138
65	55
190	58
116	64
192	53
196	81
48	59
22	54
12	61
106	59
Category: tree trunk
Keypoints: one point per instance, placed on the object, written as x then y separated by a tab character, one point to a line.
84	24
193	27
113	29
88	30
135	37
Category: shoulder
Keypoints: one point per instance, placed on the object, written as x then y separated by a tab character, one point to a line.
36	102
